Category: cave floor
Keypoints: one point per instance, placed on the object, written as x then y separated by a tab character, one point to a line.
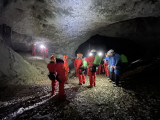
101	102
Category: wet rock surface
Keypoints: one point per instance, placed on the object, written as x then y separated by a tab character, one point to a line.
66	24
101	102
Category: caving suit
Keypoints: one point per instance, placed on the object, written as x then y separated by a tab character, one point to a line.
80	71
66	69
124	62
92	75
99	69
85	66
115	61
106	66
57	70
61	76
52	70
75	65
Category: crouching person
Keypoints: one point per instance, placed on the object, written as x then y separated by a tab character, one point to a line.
57	73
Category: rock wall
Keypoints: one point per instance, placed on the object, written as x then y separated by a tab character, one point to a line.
14	69
140	30
65	24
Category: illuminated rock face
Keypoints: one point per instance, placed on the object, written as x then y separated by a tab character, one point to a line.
65	24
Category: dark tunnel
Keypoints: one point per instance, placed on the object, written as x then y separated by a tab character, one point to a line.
132	50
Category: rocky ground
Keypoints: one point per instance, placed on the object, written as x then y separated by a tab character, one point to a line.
138	97
101	102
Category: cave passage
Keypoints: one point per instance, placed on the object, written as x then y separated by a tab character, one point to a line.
51	69
132	50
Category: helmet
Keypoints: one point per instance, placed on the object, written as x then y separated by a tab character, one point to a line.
92	51
110	51
79	54
65	57
53	59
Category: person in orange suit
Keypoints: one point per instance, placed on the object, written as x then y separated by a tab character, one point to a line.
33	49
66	67
92	75
57	73
52	74
80	70
75	65
46	52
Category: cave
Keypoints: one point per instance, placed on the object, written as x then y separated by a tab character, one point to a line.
35	33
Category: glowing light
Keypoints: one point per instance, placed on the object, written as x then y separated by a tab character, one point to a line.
90	54
42	46
100	53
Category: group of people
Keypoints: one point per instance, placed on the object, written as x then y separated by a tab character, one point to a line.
90	64
58	69
43	51
93	64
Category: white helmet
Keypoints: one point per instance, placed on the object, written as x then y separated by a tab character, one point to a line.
110	51
92	51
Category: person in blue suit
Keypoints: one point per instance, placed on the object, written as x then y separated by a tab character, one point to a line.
114	64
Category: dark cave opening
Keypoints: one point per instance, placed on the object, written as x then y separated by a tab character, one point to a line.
131	49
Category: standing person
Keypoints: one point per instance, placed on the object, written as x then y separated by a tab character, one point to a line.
66	67
52	74
115	66
60	69
92	74
124	63
33	49
46	52
109	66
85	66
75	65
80	69
106	65
94	61
57	73
103	67
99	69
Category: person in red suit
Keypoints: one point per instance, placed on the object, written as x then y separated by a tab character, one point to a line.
46	52
66	67
52	74
57	73
99	69
80	70
75	65
103	68
61	77
33	49
92	75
